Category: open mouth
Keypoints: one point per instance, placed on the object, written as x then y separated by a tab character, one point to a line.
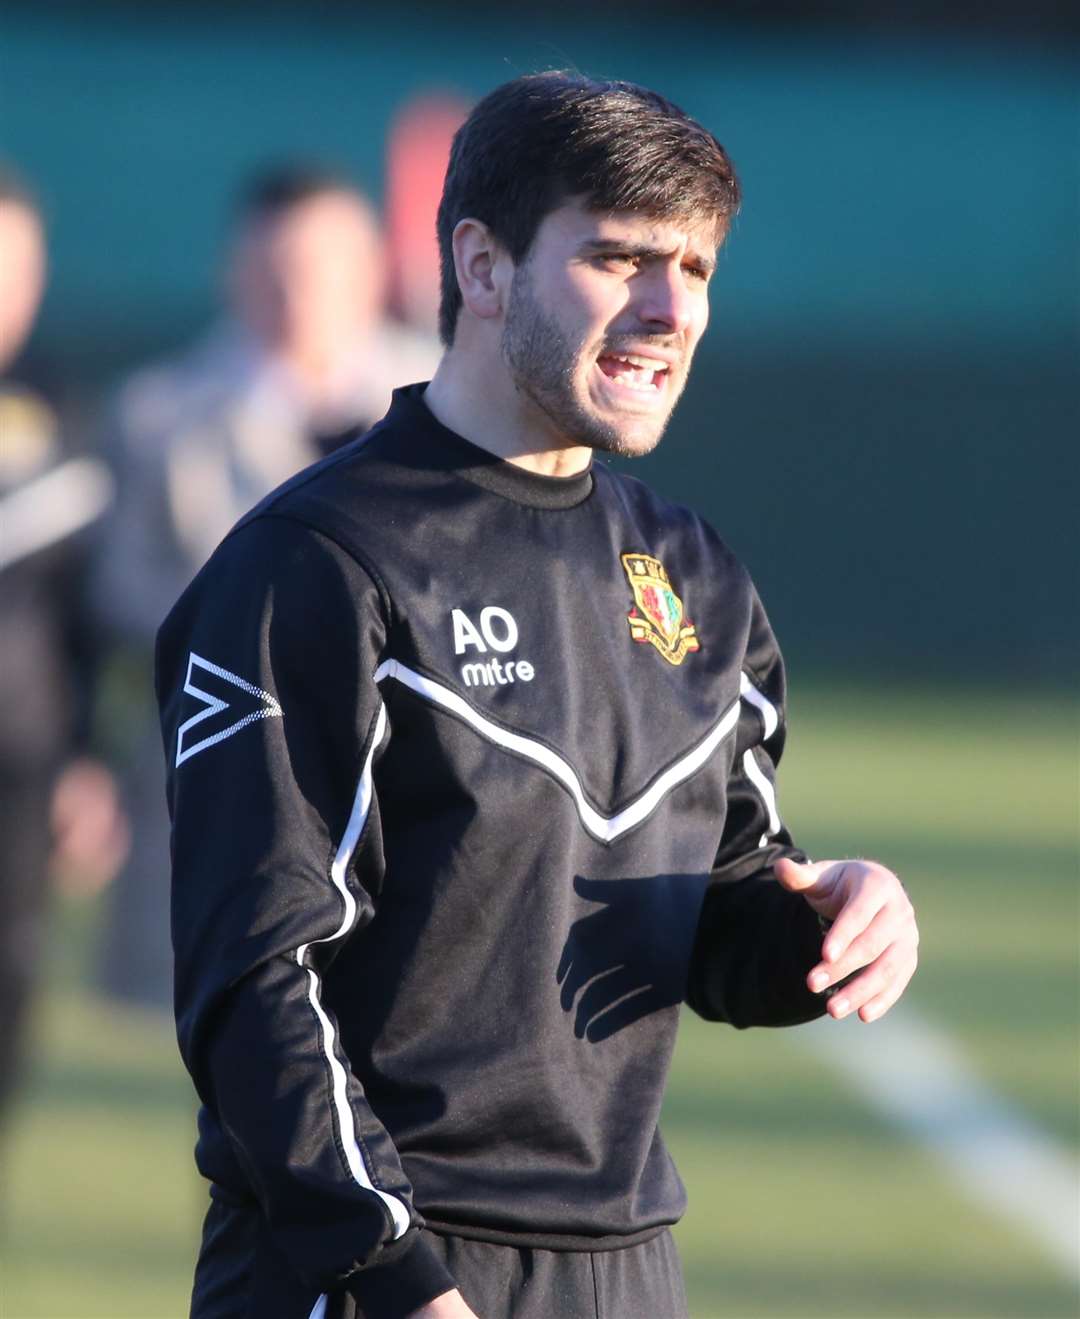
634	371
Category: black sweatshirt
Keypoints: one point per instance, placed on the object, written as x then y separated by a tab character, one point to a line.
470	773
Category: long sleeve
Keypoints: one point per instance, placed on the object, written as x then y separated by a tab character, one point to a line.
272	726
755	941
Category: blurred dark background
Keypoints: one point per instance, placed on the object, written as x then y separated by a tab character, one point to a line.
883	420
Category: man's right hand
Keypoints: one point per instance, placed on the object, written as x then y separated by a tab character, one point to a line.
450	1305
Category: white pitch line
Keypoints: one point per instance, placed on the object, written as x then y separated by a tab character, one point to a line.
915	1075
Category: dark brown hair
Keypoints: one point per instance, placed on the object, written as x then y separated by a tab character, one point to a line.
535	142
274	191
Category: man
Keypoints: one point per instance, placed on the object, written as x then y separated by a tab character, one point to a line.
304	356
59	816
472	748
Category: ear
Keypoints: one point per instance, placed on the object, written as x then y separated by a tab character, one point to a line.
481	265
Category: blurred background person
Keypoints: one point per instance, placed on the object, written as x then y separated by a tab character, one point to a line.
58	811
304	358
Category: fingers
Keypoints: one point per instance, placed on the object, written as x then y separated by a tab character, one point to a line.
878	987
799	876
860	932
871	950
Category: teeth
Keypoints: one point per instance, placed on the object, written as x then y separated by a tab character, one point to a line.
647	363
638	380
635	371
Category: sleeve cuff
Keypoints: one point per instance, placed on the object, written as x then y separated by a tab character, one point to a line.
813	931
400	1286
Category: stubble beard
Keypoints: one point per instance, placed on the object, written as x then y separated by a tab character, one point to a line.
542	358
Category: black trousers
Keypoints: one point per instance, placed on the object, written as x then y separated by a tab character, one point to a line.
507	1282
240	1275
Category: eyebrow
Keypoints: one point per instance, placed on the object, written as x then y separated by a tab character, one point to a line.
643	251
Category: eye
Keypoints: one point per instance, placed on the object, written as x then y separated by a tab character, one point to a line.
697	273
618	260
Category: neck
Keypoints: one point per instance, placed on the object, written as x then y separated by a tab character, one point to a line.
477	398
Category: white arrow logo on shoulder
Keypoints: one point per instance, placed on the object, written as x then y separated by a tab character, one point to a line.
215	705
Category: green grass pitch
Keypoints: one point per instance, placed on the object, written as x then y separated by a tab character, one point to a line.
804	1202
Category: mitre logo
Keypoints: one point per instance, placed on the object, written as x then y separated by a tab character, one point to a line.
497	631
657	617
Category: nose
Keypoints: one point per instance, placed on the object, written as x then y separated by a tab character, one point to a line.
666	300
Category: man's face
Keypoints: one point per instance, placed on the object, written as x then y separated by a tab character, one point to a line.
308	282
22	275
603	318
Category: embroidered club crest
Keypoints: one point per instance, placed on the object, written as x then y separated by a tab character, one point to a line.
657	616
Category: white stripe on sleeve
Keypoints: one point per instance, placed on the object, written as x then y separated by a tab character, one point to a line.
346	1124
770	718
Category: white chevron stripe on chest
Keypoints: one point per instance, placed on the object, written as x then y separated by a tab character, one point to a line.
604	827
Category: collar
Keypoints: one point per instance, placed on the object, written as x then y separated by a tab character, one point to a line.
445	450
